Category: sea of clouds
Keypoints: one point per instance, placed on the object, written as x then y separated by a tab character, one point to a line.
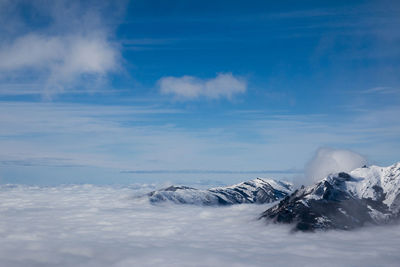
86	225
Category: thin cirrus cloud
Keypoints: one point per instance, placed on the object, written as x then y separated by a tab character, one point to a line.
382	90
224	85
145	143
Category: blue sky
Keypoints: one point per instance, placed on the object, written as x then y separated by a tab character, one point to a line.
183	91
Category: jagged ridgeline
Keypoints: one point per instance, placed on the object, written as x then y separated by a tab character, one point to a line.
365	196
255	191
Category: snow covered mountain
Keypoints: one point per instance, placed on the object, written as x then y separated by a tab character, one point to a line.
255	191
368	195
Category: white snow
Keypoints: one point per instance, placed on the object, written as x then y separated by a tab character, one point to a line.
386	177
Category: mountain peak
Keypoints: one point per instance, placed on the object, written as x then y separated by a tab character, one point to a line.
368	195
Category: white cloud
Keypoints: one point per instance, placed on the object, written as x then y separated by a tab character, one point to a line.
63	57
85	225
72	47
224	85
328	160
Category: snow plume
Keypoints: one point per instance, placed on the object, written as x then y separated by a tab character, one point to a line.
86	225
328	160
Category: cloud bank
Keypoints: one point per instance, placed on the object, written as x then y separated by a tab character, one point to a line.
98	226
224	85
328	160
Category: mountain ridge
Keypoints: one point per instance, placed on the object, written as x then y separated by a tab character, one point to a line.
259	190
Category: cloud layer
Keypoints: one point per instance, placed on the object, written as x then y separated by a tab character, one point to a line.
105	226
224	85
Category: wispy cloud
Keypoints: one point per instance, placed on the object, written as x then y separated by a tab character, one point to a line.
224	85
43	162
382	90
69	45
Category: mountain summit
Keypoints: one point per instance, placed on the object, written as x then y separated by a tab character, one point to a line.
365	196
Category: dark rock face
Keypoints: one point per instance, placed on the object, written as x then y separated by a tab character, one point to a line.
254	191
342	201
335	209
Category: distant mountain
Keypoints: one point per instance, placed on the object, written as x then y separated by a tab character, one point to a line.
255	191
365	196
